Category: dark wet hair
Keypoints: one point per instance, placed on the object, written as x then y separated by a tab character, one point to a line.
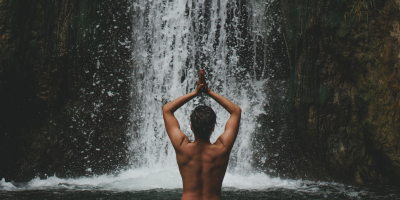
203	119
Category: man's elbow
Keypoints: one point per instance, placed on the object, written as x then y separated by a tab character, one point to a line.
165	109
238	110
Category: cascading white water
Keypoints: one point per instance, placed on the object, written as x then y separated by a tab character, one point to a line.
174	39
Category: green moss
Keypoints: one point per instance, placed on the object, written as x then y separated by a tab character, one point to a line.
358	10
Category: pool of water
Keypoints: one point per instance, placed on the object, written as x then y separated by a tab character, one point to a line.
315	191
166	184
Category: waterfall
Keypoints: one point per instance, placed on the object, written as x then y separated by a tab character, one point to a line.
173	39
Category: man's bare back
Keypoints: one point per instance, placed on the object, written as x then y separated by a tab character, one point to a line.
202	165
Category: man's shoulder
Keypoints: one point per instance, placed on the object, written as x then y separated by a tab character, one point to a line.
218	144
194	148
217	149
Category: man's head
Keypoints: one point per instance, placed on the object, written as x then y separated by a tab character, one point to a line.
203	119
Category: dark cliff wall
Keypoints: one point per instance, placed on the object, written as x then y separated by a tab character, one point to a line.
344	89
64	87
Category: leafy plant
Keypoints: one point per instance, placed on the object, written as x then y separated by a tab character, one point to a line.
357	9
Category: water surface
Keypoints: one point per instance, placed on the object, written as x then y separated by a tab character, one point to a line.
162	183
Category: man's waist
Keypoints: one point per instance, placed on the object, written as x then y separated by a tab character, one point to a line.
200	196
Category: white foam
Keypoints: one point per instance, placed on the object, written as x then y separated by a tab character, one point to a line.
146	179
259	181
6	185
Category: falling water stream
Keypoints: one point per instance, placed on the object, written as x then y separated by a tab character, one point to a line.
173	39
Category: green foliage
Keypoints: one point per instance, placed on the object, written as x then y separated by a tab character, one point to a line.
356	10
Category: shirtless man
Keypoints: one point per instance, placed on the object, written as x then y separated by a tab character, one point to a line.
202	165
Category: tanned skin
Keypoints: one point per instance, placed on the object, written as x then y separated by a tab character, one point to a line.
202	165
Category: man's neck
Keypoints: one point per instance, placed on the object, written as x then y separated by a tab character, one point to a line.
202	141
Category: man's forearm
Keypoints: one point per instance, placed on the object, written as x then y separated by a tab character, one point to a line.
224	102
180	101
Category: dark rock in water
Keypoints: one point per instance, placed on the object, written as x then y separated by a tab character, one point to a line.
344	89
65	87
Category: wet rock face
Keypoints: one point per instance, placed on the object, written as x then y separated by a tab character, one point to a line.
344	88
65	87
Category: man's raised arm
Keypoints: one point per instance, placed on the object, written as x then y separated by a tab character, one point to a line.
232	125
175	134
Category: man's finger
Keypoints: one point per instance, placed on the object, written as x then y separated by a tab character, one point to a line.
202	77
